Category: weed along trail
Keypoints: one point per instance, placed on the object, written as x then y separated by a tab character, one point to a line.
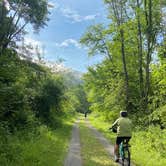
74	155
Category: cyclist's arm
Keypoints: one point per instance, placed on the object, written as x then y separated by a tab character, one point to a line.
115	124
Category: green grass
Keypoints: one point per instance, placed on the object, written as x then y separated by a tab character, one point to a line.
93	153
102	126
45	148
50	149
148	148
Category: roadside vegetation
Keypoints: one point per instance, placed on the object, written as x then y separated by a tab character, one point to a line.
37	110
43	146
38	104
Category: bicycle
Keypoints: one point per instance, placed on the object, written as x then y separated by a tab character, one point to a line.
124	152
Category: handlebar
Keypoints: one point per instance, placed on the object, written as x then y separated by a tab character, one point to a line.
114	130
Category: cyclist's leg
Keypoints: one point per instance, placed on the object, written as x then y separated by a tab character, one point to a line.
116	152
127	139
116	148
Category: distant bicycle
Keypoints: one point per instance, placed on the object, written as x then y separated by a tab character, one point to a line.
124	153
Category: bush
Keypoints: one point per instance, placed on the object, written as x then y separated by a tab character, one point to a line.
158	117
41	146
149	147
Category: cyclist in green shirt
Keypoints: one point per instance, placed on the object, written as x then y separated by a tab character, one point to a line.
122	126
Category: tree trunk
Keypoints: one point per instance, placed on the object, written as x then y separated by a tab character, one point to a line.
125	69
140	56
118	10
149	52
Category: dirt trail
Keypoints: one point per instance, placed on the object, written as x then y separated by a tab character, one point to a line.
74	155
109	148
102	139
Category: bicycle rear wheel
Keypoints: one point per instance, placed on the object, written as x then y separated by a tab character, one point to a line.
126	157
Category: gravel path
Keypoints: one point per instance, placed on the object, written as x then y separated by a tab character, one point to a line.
74	156
102	139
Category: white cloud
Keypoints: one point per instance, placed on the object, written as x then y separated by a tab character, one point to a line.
31	48
53	5
90	17
75	17
68	43
67	12
35	46
32	42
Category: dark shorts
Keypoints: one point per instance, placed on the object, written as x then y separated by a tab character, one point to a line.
120	139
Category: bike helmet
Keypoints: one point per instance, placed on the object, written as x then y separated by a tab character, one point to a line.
123	113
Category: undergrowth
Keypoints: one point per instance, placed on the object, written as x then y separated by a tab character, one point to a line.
41	147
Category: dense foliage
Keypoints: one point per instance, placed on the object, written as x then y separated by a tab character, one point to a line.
34	105
15	15
35	102
132	74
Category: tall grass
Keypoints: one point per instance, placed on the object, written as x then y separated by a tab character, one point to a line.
42	147
149	147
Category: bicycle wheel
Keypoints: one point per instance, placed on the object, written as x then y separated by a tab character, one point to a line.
121	151
126	157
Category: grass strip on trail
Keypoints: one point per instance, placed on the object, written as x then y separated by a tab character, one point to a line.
92	151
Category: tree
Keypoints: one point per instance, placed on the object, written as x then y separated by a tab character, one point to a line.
96	39
153	19
140	49
135	33
21	13
119	17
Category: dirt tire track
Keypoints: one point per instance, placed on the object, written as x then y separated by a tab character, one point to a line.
74	155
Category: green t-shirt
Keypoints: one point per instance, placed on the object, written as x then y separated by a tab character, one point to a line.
124	126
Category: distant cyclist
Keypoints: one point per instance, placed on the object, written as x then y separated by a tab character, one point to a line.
122	126
85	114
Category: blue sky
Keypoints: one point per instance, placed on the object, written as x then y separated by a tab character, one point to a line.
69	20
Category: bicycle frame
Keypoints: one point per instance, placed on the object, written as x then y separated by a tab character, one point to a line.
124	153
